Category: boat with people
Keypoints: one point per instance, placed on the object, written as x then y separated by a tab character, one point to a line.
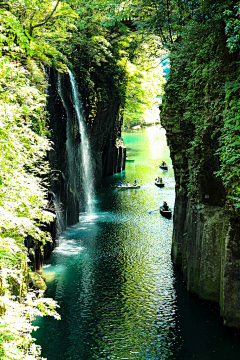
129	186
130	160
158	182
163	165
165	210
124	187
166	213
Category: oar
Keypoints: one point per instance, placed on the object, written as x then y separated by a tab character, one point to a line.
153	211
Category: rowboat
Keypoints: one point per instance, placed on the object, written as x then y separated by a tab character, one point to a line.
130	160
124	187
159	184
166	213
163	167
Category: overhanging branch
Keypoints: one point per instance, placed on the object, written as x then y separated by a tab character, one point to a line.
46	19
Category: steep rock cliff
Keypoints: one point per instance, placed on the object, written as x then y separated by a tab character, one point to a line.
108	151
197	117
206	232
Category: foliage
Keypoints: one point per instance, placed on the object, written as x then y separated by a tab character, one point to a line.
154	18
142	90
98	56
108	57
22	189
232	28
22	110
13	39
203	87
18	312
229	152
22	198
35	28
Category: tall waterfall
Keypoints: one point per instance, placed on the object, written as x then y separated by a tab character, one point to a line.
88	180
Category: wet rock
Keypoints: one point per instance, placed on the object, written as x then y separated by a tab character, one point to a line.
32	258
36	281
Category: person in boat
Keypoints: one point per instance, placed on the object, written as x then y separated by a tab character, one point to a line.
165	206
121	184
135	183
127	184
163	163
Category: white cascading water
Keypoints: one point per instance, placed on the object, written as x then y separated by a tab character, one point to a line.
88	179
60	223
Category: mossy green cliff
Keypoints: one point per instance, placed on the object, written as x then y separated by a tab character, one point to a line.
200	113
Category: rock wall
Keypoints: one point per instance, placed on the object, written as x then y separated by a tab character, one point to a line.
206	236
108	149
114	157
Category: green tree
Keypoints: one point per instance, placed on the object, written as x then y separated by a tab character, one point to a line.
23	196
35	28
143	87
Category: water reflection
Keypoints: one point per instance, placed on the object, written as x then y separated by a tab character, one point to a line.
112	274
113	277
114	280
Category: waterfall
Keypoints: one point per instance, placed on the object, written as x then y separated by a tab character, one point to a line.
88	179
60	222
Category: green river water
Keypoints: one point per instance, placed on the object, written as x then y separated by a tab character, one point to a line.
119	294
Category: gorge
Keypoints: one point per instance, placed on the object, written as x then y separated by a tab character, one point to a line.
72	75
112	275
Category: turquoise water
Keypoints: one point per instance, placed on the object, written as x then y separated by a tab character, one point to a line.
112	275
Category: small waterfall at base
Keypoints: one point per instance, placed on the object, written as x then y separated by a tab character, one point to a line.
85	147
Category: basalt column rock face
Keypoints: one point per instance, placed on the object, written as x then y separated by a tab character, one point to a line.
109	152
206	233
114	157
230	275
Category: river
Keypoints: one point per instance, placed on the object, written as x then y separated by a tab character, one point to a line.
119	294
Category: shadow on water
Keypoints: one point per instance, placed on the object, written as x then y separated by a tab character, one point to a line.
201	334
112	275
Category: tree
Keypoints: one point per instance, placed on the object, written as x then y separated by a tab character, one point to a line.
143	87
